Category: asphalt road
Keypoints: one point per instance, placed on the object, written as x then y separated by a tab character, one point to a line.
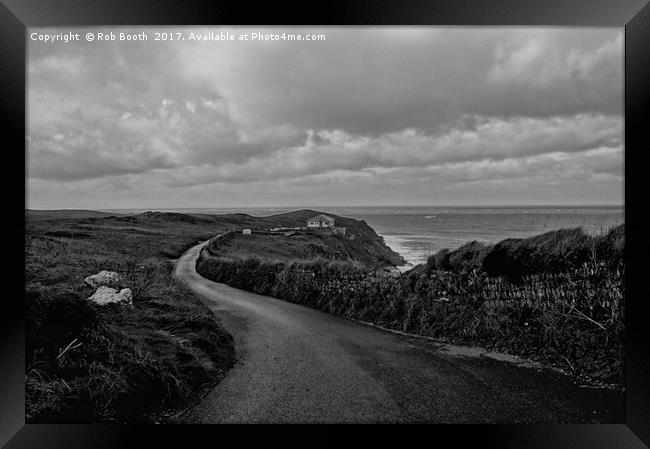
296	364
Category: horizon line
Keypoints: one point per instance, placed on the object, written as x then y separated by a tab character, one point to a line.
359	205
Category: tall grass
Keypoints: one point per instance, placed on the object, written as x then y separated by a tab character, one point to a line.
553	251
89	363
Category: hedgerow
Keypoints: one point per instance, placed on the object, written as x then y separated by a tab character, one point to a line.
566	312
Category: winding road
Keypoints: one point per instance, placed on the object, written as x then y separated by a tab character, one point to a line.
296	364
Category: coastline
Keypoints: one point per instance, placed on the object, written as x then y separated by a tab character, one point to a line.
393	242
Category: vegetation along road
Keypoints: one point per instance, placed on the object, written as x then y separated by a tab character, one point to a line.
297	364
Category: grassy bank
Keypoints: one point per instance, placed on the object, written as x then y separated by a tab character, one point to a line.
555	298
552	252
89	363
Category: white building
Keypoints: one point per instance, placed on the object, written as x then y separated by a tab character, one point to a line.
246	231
320	221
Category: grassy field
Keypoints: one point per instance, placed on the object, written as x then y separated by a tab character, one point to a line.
557	298
68	214
121	364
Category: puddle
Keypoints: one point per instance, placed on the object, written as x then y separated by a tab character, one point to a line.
469	351
462	351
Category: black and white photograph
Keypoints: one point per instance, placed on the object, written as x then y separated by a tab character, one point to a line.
325	224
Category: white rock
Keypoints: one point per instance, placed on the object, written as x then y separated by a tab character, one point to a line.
126	295
104	279
107	295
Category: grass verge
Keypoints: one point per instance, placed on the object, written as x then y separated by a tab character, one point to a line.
88	363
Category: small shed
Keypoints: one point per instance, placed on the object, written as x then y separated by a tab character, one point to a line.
246	231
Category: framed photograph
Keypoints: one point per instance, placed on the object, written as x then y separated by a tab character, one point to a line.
427	213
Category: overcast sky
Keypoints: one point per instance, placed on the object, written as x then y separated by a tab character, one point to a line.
370	116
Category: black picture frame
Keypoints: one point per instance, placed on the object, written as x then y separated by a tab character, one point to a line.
634	15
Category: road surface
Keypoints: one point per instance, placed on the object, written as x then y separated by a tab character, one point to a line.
296	364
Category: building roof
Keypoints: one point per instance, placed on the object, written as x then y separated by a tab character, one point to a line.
322	218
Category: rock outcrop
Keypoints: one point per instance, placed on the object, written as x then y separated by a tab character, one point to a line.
107	295
105	279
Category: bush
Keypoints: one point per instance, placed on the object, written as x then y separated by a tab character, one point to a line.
466	258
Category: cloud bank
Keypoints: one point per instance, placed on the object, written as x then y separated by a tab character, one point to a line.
371	115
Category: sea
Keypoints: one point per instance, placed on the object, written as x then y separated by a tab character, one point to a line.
416	232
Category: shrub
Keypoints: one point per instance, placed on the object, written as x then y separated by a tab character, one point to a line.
466	258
